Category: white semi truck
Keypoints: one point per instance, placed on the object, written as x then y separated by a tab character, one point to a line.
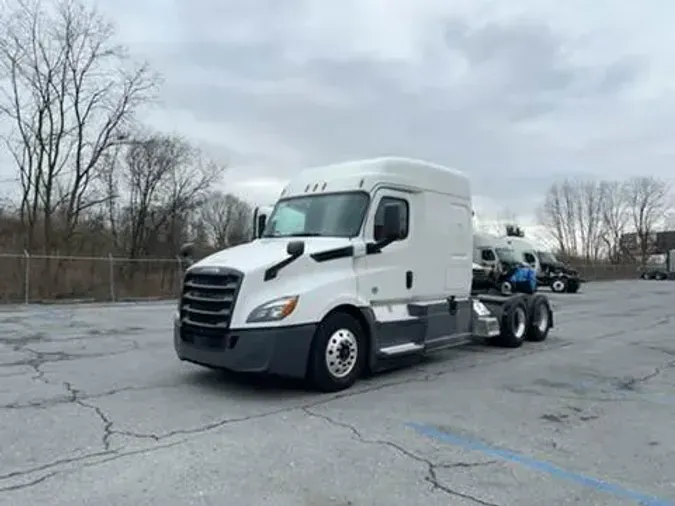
353	271
493	252
260	215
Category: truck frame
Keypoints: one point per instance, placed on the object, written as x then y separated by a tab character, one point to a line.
352	273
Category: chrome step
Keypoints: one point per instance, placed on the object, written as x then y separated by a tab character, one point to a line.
401	349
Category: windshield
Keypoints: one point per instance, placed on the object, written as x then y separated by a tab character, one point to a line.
329	215
506	255
547	258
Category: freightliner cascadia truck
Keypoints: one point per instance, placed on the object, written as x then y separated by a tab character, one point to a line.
353	271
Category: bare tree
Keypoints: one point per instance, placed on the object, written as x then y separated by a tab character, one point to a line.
615	217
648	201
70	90
559	215
573	213
589	216
161	180
227	219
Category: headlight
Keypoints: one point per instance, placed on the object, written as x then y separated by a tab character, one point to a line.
274	310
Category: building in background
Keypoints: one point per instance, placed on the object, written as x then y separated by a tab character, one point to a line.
659	243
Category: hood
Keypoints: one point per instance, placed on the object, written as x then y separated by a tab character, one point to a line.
559	267
262	253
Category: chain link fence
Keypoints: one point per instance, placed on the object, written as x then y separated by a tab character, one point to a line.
49	278
26	278
607	272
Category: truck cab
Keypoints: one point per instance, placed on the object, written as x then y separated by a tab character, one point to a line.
352	270
260	215
556	274
524	251
493	252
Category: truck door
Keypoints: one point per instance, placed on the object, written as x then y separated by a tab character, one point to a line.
386	279
531	259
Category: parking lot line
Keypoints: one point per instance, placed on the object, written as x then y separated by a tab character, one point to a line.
540	465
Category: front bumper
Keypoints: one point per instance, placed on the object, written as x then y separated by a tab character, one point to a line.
275	350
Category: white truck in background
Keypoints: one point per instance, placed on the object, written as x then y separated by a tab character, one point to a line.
496	253
260	215
659	266
352	273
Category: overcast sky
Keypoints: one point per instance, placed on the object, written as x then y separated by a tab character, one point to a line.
517	94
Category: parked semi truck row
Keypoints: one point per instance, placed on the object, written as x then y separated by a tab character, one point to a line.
501	254
351	273
659	267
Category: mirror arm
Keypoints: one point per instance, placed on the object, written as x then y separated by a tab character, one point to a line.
376	247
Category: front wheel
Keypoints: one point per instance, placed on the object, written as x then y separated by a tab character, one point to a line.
559	285
338	353
506	288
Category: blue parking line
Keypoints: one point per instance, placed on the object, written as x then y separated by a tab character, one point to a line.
541	466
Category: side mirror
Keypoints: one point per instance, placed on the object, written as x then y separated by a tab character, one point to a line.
295	248
392	223
262	220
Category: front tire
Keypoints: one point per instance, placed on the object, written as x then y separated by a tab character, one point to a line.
506	288
338	353
559	285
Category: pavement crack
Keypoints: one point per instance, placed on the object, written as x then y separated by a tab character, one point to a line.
50	465
632	383
66	399
29	484
84	461
433	479
431	467
107	421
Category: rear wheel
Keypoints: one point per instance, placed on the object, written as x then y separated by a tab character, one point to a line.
573	286
338	353
540	319
514	325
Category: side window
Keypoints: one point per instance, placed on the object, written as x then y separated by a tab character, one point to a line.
379	216
529	258
487	255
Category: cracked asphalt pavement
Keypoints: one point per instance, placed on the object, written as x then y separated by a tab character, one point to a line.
95	409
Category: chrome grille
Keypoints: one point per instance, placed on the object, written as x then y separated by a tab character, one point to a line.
208	298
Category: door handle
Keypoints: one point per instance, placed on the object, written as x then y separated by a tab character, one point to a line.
409	279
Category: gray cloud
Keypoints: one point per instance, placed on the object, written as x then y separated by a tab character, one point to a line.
509	101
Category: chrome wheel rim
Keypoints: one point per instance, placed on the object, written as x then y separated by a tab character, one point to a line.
341	353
